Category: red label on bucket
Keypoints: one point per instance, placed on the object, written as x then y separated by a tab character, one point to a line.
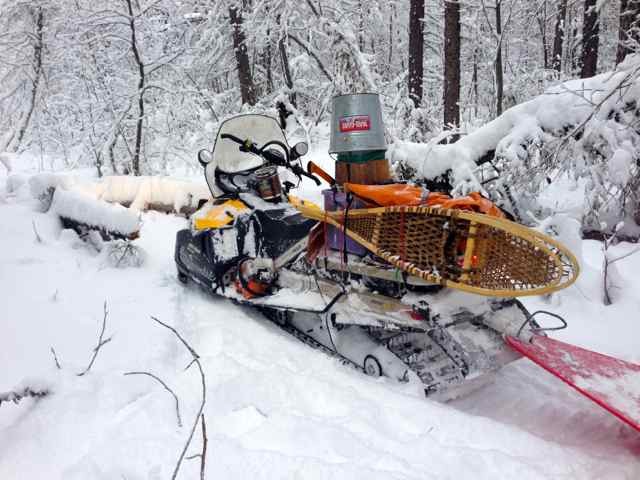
355	123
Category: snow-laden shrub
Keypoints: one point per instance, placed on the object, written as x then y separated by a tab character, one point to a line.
587	130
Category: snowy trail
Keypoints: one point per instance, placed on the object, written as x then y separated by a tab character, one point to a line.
275	407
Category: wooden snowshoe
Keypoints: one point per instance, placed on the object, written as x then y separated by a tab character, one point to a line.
457	249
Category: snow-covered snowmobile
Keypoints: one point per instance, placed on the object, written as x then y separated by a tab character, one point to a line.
251	245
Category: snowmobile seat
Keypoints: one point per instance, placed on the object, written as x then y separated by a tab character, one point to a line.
278	230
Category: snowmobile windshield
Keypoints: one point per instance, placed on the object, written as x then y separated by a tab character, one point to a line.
259	129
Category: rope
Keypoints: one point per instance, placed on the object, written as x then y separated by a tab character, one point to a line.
344	258
536	329
403	243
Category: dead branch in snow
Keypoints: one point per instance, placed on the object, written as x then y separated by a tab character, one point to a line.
628	254
55	359
122	253
205	441
27	392
101	342
606	297
195	360
203	454
35	231
608	262
166	387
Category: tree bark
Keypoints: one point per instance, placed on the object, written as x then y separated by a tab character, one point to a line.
542	21
474	81
590	40
247	87
37	67
141	84
558	39
498	66
361	42
416	51
451	62
391	21
266	63
629	31
282	47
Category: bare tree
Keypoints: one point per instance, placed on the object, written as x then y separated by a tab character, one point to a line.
247	87
141	85
498	62
558	39
14	141
451	62
541	17
286	70
629	31
590	39
416	51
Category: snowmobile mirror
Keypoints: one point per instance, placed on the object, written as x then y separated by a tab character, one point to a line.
300	149
205	157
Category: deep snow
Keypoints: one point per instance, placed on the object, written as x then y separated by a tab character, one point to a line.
275	407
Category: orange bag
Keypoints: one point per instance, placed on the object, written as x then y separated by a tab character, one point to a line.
401	194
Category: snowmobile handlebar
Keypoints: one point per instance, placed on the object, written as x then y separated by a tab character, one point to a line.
270	156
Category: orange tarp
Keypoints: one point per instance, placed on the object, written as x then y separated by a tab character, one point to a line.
401	194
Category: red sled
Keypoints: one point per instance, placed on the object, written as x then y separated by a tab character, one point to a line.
612	383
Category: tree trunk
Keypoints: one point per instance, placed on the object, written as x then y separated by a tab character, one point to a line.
37	67
499	80
590	40
451	63
416	50
558	39
247	87
629	32
361	42
391	21
542	21
141	84
474	81
575	45
267	61
282	47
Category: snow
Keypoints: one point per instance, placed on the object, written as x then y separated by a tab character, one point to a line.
275	407
141	192
84	209
623	392
138	193
7	160
620	167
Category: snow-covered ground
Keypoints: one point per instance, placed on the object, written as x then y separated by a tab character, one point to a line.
275	408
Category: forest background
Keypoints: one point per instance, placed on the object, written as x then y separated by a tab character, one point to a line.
138	86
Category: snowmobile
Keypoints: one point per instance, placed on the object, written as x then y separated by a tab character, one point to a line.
251	244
